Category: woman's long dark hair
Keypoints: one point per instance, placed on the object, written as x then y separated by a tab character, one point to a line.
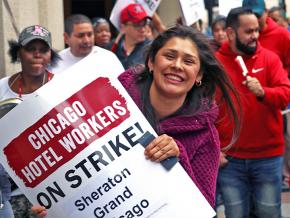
214	77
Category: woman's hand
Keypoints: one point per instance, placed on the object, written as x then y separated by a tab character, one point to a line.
39	210
161	148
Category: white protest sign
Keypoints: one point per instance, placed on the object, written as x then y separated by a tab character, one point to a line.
73	148
149	6
225	6
192	11
272	3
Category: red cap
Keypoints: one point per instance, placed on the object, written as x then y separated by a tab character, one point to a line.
134	13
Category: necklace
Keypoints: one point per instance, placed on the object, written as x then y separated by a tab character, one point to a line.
20	87
16	78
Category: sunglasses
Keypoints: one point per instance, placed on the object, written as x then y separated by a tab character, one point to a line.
139	25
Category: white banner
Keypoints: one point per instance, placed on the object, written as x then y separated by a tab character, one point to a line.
273	3
192	11
149	6
74	148
225	6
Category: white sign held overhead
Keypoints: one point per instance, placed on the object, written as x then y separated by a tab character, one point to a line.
225	6
149	6
192	10
75	148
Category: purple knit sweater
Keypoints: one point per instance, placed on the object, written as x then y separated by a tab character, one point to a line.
196	137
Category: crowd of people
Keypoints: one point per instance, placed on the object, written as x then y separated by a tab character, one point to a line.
224	93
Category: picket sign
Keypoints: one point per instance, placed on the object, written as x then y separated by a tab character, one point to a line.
225	6
192	11
149	6
74	148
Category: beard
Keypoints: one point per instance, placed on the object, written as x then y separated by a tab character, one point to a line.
248	50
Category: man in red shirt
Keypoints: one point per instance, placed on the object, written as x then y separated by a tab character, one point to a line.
277	39
255	160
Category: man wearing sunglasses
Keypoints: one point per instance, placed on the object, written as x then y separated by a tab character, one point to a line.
130	48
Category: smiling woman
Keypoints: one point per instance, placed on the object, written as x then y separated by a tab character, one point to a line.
176	93
34	51
175	71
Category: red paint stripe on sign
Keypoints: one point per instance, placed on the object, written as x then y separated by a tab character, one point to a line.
65	131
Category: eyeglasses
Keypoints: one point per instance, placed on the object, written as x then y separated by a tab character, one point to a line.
139	25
